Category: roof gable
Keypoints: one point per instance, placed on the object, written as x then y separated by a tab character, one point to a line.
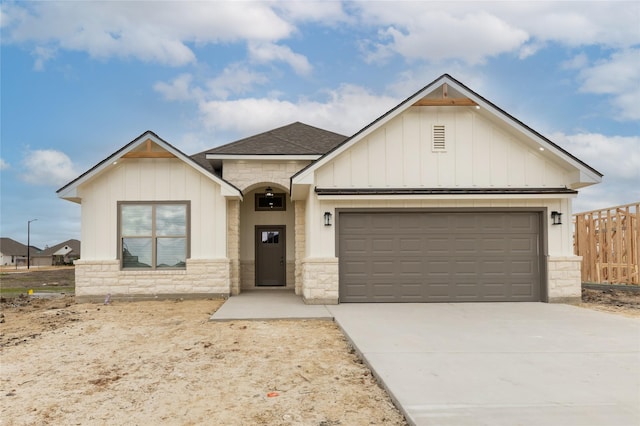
147	145
293	140
63	248
448	92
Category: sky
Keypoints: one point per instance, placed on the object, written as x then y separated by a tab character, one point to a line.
81	79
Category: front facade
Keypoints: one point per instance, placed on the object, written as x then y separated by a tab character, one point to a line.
445	198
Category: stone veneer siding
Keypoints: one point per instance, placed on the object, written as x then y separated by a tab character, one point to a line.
233	244
320	281
565	280
299	243
243	174
95	279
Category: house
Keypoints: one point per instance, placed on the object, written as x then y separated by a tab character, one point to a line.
64	253
444	198
13	253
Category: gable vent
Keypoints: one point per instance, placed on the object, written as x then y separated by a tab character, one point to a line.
438	138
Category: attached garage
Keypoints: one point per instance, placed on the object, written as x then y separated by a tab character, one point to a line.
441	256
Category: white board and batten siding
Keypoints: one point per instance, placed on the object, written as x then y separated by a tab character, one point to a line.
152	180
478	153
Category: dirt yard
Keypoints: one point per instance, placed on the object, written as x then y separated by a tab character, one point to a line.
164	362
614	301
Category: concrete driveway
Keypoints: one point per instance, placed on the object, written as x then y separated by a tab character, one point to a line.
501	363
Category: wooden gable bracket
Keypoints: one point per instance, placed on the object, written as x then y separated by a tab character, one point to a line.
148	153
445	100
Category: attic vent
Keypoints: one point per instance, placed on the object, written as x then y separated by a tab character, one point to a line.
438	140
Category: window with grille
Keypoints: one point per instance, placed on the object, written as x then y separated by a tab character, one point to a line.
153	235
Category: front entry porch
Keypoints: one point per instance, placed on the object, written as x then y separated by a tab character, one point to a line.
263	305
263	240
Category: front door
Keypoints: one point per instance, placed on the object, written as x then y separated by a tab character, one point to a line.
270	256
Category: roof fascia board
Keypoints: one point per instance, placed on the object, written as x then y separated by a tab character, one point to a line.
446	197
265	157
70	190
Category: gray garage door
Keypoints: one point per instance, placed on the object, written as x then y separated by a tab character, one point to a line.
439	257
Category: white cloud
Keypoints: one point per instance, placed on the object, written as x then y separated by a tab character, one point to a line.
4	165
263	52
179	89
577	62
336	113
149	31
616	157
618	76
327	12
47	167
235	79
435	35
475	31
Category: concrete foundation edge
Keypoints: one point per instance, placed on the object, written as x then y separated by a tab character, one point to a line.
150	297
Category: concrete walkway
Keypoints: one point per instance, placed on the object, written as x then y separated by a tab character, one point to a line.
496	364
268	304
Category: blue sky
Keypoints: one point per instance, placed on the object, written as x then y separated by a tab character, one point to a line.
81	79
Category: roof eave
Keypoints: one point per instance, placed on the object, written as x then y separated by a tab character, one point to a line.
264	157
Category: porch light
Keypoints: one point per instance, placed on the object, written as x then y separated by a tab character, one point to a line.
557	217
268	192
327	218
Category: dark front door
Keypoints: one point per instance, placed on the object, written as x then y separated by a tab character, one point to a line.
270	256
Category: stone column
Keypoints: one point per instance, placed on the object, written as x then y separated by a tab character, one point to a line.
300	242
233	244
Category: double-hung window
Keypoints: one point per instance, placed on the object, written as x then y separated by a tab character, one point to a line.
153	235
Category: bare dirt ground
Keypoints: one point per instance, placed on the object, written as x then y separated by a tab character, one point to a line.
164	362
614	301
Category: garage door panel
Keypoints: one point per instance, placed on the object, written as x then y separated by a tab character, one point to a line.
523	245
439	257
523	223
383	246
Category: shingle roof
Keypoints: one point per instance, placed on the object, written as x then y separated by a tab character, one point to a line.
73	244
294	139
10	247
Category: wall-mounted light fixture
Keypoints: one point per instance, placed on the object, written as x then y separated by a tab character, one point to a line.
327	218
557	217
268	192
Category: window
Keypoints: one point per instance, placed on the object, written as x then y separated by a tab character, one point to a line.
274	202
270	237
154	235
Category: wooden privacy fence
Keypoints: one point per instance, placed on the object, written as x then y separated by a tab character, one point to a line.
608	242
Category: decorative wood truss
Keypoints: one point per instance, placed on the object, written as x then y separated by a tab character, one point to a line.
148	153
445	100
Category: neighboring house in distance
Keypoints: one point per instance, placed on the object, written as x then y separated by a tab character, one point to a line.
61	254
444	198
13	253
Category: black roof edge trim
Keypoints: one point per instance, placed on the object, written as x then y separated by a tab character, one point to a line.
440	191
